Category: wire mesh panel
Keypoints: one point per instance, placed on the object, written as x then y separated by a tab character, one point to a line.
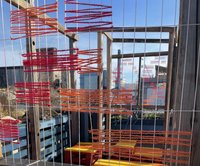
138	101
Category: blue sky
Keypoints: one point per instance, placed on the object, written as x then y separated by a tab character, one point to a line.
125	13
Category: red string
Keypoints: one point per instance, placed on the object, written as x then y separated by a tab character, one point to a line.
147	138
9	130
90	60
53	60
33	93
31	21
88	101
83	61
89	17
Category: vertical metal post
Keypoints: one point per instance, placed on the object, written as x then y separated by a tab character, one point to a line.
118	70
139	84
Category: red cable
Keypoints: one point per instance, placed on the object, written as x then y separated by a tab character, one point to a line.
83	61
9	130
31	22
54	60
33	93
89	17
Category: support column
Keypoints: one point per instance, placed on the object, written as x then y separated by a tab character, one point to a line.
118	85
74	115
139	103
109	76
33	110
100	76
186	115
169	80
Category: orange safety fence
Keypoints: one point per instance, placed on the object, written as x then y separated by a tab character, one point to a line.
81	100
33	21
157	146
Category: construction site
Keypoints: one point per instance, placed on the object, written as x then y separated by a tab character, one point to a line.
99	82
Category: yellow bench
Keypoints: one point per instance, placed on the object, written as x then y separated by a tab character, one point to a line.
107	162
124	146
86	147
148	152
80	149
126	143
86	152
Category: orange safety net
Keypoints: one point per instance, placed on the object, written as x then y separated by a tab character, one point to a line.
157	146
81	100
33	21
